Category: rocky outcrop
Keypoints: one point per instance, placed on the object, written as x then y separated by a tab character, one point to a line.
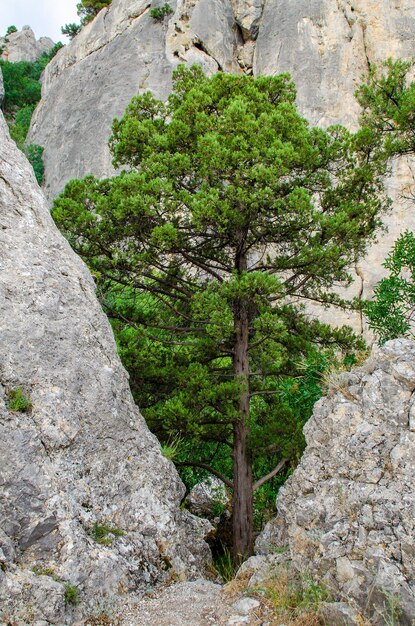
123	51
23	46
328	48
86	497
348	509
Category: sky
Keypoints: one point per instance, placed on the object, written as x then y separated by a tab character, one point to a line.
44	16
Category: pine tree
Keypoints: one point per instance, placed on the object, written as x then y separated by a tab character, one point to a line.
231	212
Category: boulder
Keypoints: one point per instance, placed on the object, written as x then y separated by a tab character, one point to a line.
23	46
86	498
208	498
349	506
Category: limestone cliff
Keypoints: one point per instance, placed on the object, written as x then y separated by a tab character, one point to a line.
81	457
327	46
348	509
23	46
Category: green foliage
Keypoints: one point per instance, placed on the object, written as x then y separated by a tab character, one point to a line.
71	594
34	154
159	13
22	92
171	448
224	565
9	31
20	127
391	608
21	84
388	101
88	9
21	81
105	534
230	212
295	599
18	401
71	30
391	313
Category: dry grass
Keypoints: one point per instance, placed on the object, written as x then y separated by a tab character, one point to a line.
237	587
284	598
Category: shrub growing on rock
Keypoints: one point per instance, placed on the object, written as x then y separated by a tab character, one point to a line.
159	13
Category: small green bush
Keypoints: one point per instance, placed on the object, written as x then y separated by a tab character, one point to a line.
18	401
104	534
47	571
172	447
10	30
71	30
159	13
71	594
224	565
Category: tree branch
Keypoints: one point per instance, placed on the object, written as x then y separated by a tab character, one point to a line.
265	392
207	467
265	479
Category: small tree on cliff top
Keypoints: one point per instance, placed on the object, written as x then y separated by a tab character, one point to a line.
232	211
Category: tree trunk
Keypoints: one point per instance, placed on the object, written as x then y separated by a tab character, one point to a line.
242	464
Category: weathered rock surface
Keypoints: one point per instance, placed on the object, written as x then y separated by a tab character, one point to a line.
23	46
82	454
121	52
208	498
328	48
349	506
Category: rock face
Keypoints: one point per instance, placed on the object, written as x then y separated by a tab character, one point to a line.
80	461
123	51
327	46
23	46
348	509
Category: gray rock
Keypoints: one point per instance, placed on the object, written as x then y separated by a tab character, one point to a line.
23	46
208	498
273	538
339	614
248	15
82	453
122	52
197	603
348	507
244	606
263	568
